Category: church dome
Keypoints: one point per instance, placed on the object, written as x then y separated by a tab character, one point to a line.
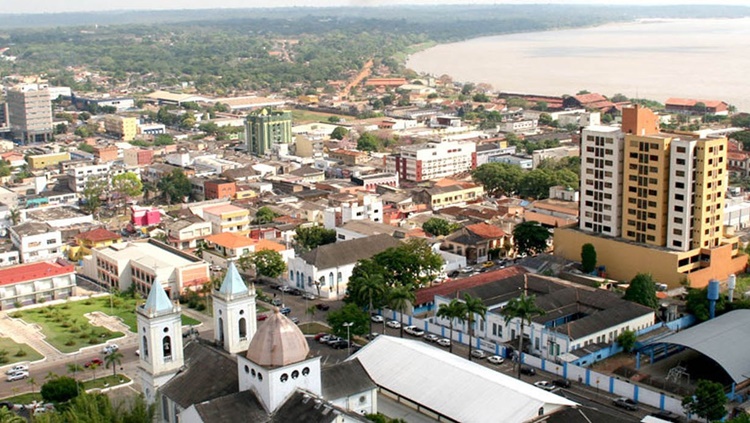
278	342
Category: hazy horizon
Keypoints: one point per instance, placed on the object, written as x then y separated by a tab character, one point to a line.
57	6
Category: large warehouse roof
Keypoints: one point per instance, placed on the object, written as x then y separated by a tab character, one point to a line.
453	386
725	339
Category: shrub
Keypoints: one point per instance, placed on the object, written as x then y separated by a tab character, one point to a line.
61	389
20	353
93	340
70	342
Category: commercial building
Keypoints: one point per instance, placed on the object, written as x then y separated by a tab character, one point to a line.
448	193
41	161
104	154
125	128
185	234
219	188
138	157
36	241
36	282
266	128
433	160
230	246
227	218
659	197
30	114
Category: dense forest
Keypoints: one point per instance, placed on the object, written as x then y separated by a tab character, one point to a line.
226	50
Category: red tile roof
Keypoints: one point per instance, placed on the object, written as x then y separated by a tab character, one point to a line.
485	230
451	288
33	271
590	98
98	235
691	102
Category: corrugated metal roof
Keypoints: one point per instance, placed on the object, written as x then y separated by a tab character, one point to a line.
451	385
725	339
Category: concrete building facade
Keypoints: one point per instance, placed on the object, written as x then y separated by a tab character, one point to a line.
30	115
266	128
433	160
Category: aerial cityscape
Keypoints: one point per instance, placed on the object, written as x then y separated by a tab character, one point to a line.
374	212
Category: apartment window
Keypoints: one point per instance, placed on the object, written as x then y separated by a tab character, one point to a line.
679	209
681	149
51	241
676	243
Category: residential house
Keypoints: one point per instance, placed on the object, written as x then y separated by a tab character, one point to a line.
36	241
227	218
229	246
475	242
145	216
325	271
219	188
187	233
95	238
690	105
447	192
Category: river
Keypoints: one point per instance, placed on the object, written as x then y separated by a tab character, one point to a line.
691	58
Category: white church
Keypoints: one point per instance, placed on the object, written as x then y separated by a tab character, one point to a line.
248	373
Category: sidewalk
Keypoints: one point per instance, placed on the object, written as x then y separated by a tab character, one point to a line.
30	334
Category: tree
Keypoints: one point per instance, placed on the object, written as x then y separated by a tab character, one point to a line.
697	304
314	236
7	416
92	195
113	359
619	98
339	133
474	307
61	389
588	258
368	142
15	216
350	313
93	366
267	263
400	299
498	178
163	139
411	264
480	98
454	310
439	227
627	340
709	401
370	289
98	408
126	185
523	308
174	186
545	119
530	238
642	290
264	215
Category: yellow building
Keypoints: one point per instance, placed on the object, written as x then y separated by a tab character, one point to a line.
87	241
40	161
227	218
448	192
124	127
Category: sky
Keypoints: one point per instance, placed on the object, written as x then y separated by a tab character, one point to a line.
56	6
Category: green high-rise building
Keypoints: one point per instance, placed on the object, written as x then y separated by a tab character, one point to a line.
266	128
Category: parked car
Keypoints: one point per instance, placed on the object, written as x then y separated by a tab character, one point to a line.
453	274
431	337
320	335
414	331
295	292
17	376
308	296
495	359
371	336
466	269
334	339
323	307
528	371
277	302
444	342
284	288
295	320
563	383
109	349
488	264
667	416
478	354
325	338
377	318
545	384
393	324
17	368
285	311
262	317
340	344
625	403
95	361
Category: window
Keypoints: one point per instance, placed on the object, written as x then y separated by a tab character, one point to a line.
243	328
144	347
167	348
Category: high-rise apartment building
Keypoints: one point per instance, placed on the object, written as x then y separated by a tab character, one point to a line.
266	128
601	180
433	160
125	128
30	114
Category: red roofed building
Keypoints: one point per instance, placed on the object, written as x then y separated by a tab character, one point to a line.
475	242
688	105
36	282
385	82
738	162
425	297
590	101
96	238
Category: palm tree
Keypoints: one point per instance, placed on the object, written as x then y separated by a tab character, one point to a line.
474	306
32	382
7	416
113	359
93	367
452	311
399	299
370	286
524	308
311	311
14	215
74	368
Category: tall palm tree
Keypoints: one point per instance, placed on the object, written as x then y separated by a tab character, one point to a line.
474	307
370	286
15	216
32	382
523	308
113	359
399	299
452	311
74	369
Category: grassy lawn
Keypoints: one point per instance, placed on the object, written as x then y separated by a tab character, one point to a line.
189	321
18	352
100	383
105	381
299	115
27	398
313	328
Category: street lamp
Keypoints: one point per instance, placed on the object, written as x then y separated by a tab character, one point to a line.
348	338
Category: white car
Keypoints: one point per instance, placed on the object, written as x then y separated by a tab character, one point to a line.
544	384
478	354
495	359
17	376
444	342
414	331
109	349
431	337
393	324
17	368
377	318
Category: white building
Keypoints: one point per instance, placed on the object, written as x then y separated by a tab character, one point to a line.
601	180
36	241
79	176
36	282
365	207
433	160
325	271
